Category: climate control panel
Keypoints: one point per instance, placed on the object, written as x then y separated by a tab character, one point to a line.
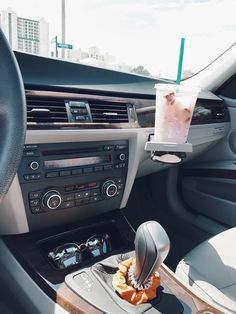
68	196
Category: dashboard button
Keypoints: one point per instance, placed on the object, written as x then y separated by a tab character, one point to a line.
120	186
108	147
36	210
53	174
119	147
79	195
27	177
31	153
88	170
64	173
36	176
122	165
98	168
108	167
69	197
34	202
68	204
76	171
79	118
75	110
69	188
95	199
92	184
86	194
33	195
82	186
95	192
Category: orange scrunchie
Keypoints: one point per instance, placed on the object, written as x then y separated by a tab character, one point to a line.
128	292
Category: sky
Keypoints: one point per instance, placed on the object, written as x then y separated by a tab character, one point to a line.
142	32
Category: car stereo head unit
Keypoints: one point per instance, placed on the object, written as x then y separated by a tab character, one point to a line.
67	181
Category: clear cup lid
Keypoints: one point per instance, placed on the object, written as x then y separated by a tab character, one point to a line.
177	88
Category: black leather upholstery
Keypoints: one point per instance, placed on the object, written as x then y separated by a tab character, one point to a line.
12	116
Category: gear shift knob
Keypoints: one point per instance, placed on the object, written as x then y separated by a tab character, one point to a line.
152	245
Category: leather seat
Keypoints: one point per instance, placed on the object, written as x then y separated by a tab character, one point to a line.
210	269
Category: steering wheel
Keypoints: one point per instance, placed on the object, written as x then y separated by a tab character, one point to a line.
12	116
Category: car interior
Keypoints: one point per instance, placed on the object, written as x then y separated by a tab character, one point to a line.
80	193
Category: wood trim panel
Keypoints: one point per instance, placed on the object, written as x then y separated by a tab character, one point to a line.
187	296
138	103
71	302
74	304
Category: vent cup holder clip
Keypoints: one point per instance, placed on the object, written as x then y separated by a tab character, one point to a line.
170	153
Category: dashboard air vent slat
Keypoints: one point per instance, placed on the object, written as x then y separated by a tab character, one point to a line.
109	112
46	110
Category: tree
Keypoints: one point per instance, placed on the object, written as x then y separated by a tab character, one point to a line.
140	70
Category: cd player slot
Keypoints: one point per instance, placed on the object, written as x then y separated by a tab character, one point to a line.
72	151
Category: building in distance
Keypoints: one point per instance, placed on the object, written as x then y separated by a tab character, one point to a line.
92	56
25	34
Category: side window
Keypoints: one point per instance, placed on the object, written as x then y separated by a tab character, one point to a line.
229	88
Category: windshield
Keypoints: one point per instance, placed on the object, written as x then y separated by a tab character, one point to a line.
137	36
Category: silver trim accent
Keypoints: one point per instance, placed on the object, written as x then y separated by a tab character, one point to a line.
40	110
134	282
110	113
36	165
122	157
56	194
107	190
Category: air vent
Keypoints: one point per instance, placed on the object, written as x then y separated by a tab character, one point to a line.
46	110
109	112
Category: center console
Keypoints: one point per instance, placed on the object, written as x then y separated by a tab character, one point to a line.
77	188
66	181
85	286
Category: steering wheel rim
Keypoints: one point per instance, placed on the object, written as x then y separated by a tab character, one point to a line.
12	116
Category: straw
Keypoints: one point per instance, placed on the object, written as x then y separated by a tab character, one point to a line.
181	54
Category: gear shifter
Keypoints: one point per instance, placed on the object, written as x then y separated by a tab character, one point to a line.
152	245
107	284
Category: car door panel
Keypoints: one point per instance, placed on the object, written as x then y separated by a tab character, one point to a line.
209	182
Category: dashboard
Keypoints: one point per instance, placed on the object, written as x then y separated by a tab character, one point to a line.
86	132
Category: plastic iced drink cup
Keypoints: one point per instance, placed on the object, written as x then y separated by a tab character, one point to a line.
174	110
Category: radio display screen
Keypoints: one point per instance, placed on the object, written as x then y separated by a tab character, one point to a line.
74	162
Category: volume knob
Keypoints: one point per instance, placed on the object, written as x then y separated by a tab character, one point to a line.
52	199
109	188
121	157
34	165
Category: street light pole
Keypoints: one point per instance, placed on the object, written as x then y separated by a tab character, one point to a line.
56	48
63	27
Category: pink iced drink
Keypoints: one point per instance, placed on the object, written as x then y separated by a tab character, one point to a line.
174	111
